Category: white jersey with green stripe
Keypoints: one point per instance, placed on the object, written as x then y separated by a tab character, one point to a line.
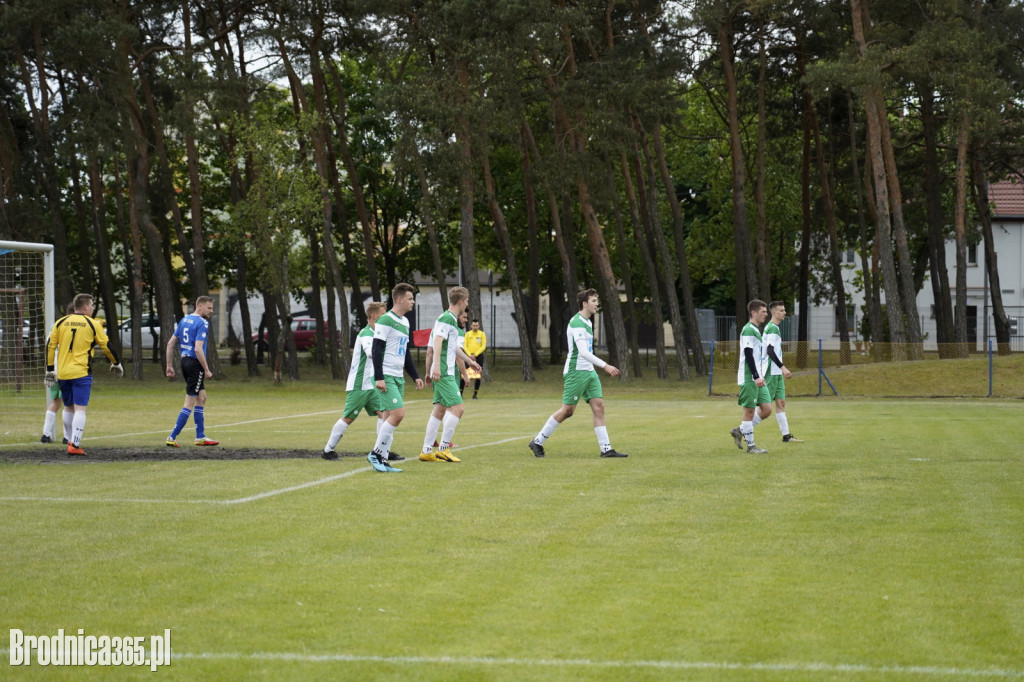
448	329
360	373
750	337
580	334
772	338
394	331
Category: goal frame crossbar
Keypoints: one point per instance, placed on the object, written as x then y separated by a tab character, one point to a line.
49	306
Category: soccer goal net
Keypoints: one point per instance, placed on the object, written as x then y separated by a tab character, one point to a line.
26	316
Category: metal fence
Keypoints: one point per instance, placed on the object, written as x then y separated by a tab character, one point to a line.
882	370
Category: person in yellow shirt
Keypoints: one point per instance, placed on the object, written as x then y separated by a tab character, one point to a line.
74	336
476	344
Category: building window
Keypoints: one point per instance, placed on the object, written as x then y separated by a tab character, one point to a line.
851	325
972	254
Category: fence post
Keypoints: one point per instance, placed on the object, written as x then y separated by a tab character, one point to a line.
820	367
711	366
990	368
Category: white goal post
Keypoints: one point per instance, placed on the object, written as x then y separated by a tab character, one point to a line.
27	313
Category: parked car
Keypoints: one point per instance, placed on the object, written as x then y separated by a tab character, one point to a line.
25	330
304	331
150	332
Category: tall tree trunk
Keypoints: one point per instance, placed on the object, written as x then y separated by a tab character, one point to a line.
624	266
354	181
336	329
137	145
883	226
427	211
40	91
131	238
1002	326
945	334
764	271
566	254
746	278
692	329
661	247
505	241
105	270
803	286
907	288
641	229
960	230
833	234
869	247
464	142
533	249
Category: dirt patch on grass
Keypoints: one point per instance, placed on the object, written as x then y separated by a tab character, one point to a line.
58	454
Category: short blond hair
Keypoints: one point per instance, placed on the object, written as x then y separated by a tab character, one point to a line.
375	308
457	295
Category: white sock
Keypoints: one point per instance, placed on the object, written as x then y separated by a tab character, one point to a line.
783	422
545	433
384	437
602	438
67	419
450	422
747	429
433	426
77	427
757	418
337	432
49	423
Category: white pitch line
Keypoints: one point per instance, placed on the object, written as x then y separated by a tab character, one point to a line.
240	500
809	667
212	426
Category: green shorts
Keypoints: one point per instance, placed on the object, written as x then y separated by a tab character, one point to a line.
776	385
391	399
752	395
53	393
580	384
446	392
356	401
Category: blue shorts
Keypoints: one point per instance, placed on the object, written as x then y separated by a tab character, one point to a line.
76	391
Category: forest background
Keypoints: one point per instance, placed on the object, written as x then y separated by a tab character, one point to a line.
674	155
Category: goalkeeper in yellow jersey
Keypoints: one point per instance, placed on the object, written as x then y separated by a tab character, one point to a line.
74	336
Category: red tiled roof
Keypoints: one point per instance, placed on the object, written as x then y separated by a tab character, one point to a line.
1007	198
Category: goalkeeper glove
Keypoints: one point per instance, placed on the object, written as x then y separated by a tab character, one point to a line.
50	379
117	370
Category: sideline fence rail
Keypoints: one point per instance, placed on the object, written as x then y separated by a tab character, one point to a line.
882	370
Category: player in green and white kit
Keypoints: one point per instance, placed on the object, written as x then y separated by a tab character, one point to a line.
448	405
778	372
750	377
390	359
361	392
580	379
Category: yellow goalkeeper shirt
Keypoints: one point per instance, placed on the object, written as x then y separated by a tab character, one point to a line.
75	336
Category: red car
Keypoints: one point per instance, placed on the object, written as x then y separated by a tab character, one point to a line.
304	331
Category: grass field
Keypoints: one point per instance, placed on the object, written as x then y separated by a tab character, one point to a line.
889	545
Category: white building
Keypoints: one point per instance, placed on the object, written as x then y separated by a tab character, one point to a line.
1007	199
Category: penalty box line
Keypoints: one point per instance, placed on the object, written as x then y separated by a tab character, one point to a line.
240	500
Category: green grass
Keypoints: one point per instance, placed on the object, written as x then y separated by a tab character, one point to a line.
887	546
